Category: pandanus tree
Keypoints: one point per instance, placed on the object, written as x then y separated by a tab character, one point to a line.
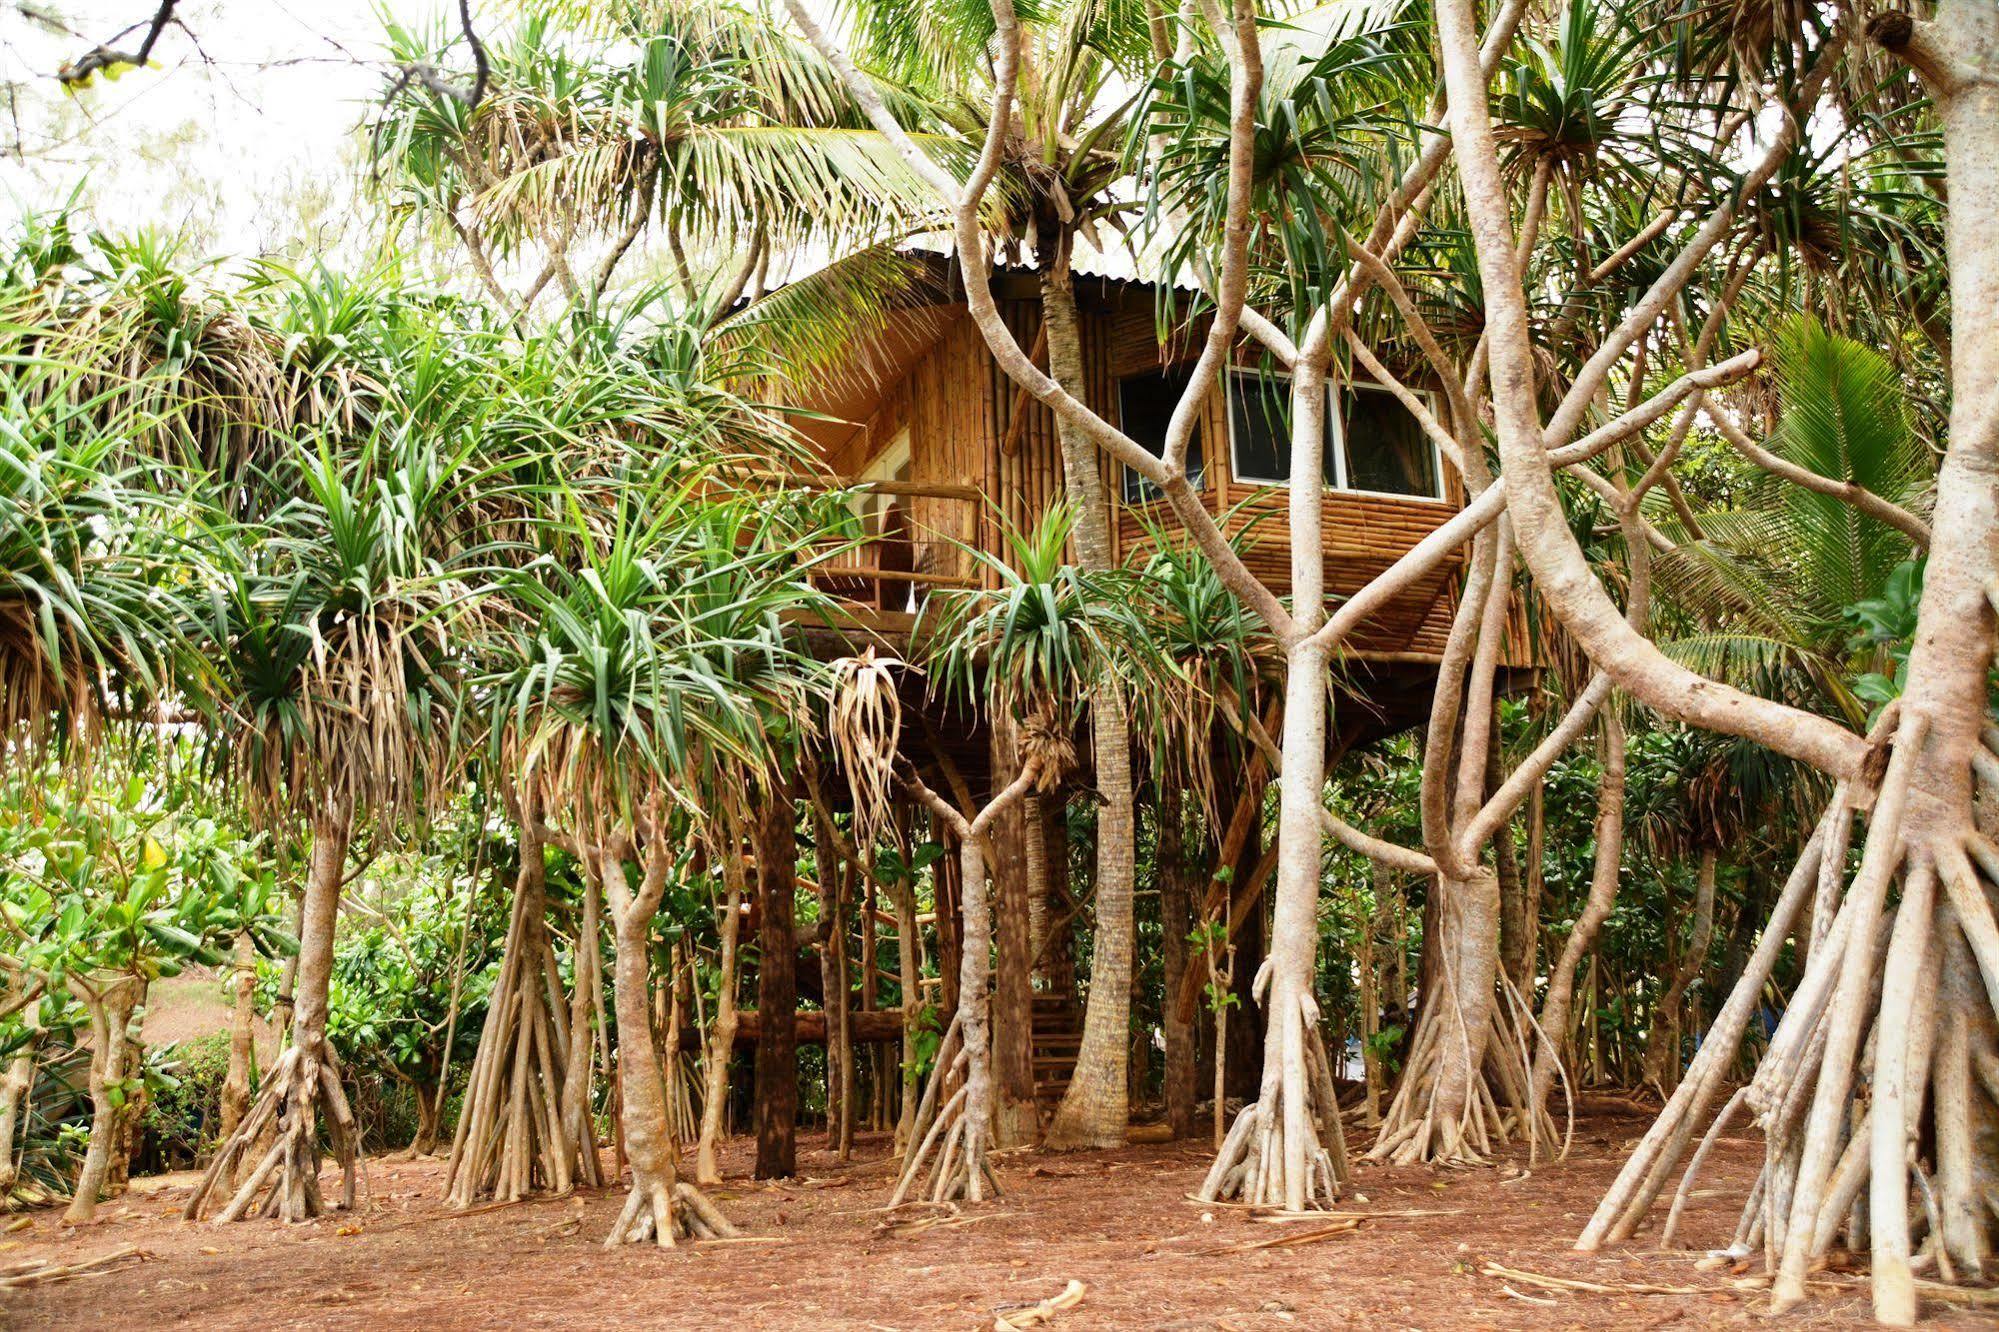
336	692
1909	965
652	649
1045	635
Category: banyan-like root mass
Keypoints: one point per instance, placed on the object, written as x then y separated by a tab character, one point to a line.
284	1180
948	1161
1878	1095
666	1212
1445	1113
1259	1161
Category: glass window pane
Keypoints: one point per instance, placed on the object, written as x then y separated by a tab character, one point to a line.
1145	408
1260	429
1387	450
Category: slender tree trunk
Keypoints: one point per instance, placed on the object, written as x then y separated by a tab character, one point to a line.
1523	952
242	1037
777	989
1016	1119
132	1114
647	1137
306	1077
14	1087
1662	1042
1273	1154
826	868
722	1030
110	1008
1176	923
1605	869
910	981
1095	1108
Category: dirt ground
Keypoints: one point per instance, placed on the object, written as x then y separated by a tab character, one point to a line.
1118	1222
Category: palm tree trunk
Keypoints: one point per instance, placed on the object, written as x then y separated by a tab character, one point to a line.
1095	1108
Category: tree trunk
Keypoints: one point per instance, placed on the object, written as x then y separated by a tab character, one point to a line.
242	1038
429	1115
306	1077
776	1109
1095	1108
1016	1119
1662	1041
1176	923
110	1008
1889	977
14	1087
1524	947
1273	1155
644	1131
910	982
1605	868
722	1029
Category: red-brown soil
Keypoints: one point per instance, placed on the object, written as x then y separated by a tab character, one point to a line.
1116	1221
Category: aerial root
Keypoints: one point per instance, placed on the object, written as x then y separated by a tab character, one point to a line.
1881	1080
666	1212
940	1166
1285	1130
286	1176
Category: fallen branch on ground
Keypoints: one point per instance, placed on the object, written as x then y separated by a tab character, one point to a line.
1071	1296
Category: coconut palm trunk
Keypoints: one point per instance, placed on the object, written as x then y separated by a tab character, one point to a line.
1095	1108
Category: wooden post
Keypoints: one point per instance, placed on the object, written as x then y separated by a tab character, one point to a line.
776	1110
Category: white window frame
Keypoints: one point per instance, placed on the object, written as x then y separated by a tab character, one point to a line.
1335	440
1442	495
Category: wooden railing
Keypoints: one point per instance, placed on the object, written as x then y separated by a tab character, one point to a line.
917	545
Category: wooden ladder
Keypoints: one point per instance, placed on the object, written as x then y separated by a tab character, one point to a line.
1058	1038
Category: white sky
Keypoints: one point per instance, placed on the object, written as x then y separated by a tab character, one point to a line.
248	151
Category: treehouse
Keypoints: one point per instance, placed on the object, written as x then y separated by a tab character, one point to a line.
944	447
942	452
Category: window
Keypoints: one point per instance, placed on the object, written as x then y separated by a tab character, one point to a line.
1386	449
1373	442
1260	430
1145	406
